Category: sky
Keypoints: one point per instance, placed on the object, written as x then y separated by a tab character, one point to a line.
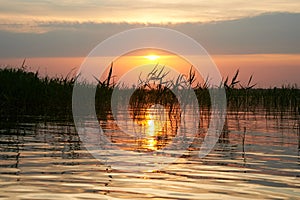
258	37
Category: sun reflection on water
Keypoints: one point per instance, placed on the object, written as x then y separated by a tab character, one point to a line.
155	126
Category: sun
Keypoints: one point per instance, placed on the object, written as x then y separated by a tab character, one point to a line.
152	57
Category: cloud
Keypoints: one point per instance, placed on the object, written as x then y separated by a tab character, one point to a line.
268	33
142	11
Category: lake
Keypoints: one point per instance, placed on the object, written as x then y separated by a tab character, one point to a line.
256	157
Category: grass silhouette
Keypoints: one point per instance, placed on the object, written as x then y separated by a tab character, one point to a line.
26	93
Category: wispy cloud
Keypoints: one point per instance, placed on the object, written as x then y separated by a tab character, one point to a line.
142	11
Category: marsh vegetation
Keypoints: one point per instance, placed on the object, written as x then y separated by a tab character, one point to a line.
26	93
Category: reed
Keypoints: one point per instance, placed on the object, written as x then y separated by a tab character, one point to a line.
26	93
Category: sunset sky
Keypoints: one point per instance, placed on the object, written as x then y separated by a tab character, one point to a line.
258	37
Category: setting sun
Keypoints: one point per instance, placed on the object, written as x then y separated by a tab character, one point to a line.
152	57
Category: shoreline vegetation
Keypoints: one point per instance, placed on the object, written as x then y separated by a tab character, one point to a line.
25	93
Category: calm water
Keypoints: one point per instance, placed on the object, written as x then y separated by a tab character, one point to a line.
257	157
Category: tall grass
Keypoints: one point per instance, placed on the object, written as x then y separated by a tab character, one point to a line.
26	93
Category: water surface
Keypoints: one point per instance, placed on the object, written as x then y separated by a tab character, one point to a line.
257	157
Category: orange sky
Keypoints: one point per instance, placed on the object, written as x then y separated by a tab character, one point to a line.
268	69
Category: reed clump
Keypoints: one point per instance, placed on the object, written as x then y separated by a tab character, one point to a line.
25	93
